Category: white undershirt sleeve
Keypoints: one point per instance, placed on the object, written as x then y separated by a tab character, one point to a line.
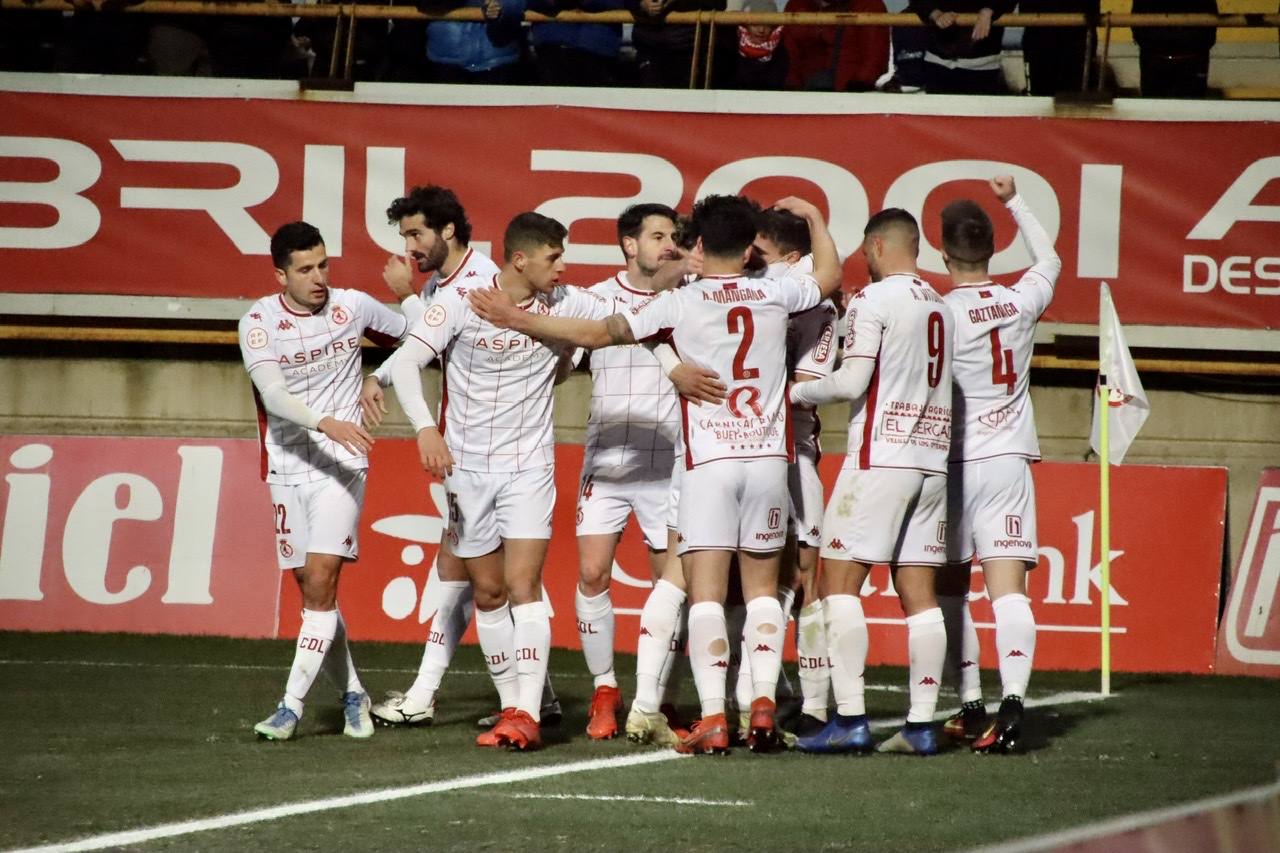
1045	259
269	379
666	356
849	382
405	368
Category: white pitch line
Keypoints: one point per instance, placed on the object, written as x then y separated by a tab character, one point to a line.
679	801
506	777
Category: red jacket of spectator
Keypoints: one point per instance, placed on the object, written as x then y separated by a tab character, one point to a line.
864	51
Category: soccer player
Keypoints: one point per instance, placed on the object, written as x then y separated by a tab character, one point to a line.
301	348
783	244
733	490
631	435
889	503
991	498
437	236
496	455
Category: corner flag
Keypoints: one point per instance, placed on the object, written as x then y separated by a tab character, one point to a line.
1127	406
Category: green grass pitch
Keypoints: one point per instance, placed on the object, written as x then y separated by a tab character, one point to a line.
107	733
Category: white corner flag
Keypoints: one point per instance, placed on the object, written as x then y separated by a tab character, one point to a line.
1127	406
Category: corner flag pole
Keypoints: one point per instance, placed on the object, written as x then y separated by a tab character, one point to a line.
1104	523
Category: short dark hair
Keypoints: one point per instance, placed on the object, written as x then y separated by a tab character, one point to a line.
293	237
790	233
632	219
438	206
727	224
529	231
894	218
967	235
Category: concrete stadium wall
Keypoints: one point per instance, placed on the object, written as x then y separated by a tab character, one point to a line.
210	397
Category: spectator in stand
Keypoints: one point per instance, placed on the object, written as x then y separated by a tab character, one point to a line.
1174	61
906	54
963	60
1055	55
664	54
572	54
836	59
762	60
466	52
98	38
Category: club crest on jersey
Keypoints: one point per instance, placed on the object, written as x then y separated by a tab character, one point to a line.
286	550
340	315
435	315
256	338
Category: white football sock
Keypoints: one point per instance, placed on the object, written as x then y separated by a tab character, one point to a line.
338	664
811	649
763	635
595	629
533	649
658	623
675	665
847	643
445	627
314	639
739	672
498	643
962	647
927	644
709	654
1015	642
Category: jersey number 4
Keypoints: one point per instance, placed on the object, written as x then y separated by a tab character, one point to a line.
1002	372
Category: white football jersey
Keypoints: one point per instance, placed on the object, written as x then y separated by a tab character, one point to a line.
904	419
475	270
736	326
995	328
633	421
496	404
319	354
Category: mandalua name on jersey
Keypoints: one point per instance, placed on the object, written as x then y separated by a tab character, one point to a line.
734	294
998	311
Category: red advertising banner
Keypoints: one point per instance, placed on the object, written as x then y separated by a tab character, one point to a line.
88	180
1249	642
149	535
175	536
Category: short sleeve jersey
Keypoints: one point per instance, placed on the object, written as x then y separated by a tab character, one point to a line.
633	422
904	419
475	270
496	404
319	354
736	326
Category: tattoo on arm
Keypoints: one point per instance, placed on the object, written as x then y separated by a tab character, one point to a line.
619	330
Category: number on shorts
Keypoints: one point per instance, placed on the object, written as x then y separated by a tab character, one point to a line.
282	518
587	485
454	512
937	349
742	323
1002	372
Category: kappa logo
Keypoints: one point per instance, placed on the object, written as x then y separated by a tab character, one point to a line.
814	531
763	647
722	664
645	632
1015	653
256	316
929	681
284	325
835	545
348	541
965	664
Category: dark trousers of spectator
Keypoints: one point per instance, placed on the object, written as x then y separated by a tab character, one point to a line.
940	80
664	69
1055	60
1180	76
909	45
504	75
559	65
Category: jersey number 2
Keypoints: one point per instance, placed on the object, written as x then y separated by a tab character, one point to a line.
741	323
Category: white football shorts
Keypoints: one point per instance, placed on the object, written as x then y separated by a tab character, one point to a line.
806	500
485	508
731	504
321	517
887	515
607	496
991	510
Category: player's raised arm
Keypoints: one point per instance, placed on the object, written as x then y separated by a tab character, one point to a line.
826	261
496	306
1045	260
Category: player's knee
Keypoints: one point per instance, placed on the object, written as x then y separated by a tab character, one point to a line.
593	578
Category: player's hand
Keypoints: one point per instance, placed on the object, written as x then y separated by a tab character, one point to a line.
494	305
373	402
434	453
351	436
805	210
1003	187
398	275
698	384
982	28
943	19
